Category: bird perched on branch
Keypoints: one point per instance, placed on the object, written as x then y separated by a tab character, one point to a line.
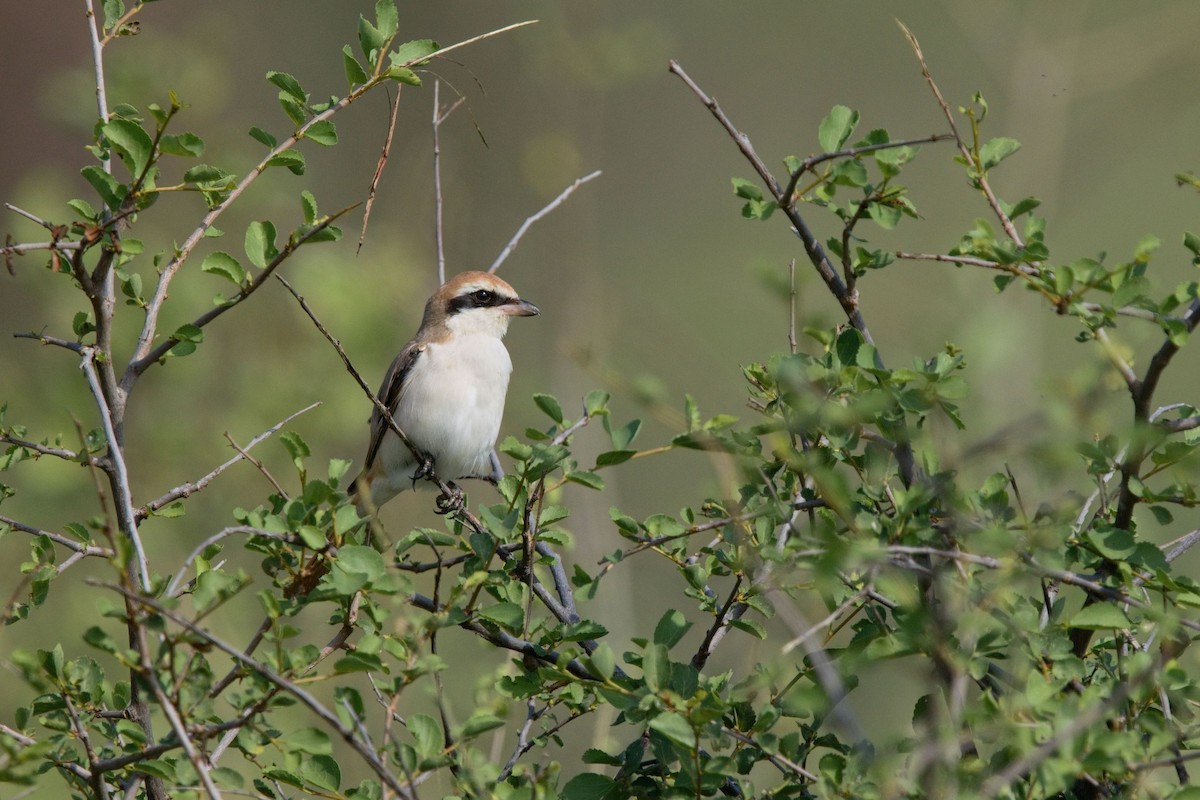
445	390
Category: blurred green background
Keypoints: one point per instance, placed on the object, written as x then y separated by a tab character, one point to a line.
650	282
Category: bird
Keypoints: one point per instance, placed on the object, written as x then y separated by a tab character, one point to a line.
445	390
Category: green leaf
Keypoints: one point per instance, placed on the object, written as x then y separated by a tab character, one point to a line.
671	628
260	243
586	478
836	128
109	189
656	667
205	173
186	337
996	150
386	18
747	190
323	132
428	734
260	135
225	265
414	53
596	402
480	722
403	75
355	74
289	86
1100	616
603	660
310	740
183	144
322	771
506	615
614	457
131	142
369	39
589	786
550	405
84	209
292	159
675	727
308	205
365	561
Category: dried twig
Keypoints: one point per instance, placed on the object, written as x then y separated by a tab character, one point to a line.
553	204
383	159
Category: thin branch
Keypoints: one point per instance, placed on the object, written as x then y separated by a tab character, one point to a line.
57	538
509	642
850	152
74	347
177	581
98	71
57	452
119	474
553	204
190	488
438	118
173	718
984	186
306	699
138	366
167	274
816	253
383	159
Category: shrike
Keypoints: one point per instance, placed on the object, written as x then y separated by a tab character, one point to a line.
445	390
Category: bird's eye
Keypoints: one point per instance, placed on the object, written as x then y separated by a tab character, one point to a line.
483	296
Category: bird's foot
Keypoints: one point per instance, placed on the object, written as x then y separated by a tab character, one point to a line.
424	467
452	501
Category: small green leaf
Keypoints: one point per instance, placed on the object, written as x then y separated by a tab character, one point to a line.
747	190
596	402
675	727
291	159
386	18
323	132
996	150
308	205
614	457
550	405
589	786
322	771
403	75
671	628
507	615
480	722
258	134
289	86
183	144
225	265
369	39
109	189
836	128
427	733
260	243
414	53
1100	616
310	740
355	74
206	173
132	143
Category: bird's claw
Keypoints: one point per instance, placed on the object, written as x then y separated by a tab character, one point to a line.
424	467
452	501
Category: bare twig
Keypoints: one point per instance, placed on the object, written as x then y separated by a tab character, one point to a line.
553	204
984	186
383	159
190	488
439	117
120	475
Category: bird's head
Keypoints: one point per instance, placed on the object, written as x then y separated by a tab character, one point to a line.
476	302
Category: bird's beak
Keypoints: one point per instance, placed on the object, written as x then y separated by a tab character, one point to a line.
521	308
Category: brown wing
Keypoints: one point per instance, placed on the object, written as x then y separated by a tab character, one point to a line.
389	395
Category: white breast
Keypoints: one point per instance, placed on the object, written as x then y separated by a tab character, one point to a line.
453	402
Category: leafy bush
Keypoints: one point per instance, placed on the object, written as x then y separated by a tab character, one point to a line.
1050	642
